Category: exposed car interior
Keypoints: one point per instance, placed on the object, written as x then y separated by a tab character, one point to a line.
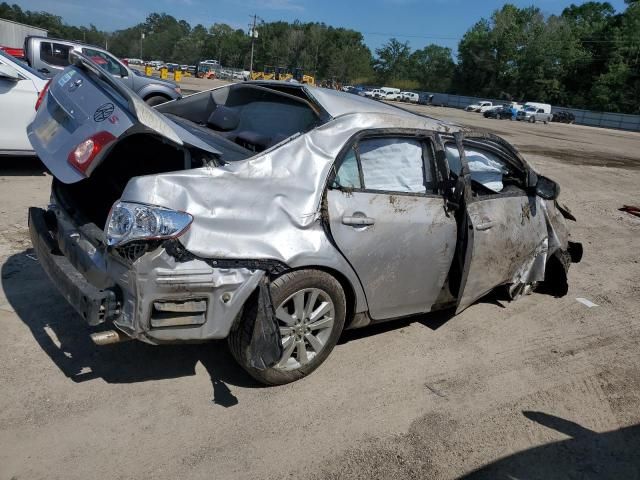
238	121
242	120
490	173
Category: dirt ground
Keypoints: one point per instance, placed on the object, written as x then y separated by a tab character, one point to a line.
541	388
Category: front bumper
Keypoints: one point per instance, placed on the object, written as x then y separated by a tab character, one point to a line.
155	298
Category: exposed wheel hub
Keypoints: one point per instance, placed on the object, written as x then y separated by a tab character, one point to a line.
306	320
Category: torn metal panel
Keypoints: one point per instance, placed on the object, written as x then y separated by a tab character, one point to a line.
265	348
158	277
506	242
556	226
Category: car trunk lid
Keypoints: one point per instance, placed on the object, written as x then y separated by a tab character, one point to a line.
84	101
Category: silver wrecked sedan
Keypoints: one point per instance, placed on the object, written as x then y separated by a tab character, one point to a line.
276	215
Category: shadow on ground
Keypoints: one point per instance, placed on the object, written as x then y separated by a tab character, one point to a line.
585	455
21	166
64	337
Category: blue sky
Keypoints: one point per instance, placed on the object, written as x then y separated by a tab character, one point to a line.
418	21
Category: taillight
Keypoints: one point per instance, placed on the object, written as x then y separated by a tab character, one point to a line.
42	94
83	155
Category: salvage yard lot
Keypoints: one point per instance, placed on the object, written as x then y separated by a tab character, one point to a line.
547	380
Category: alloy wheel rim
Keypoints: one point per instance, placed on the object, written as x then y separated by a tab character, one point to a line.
305	320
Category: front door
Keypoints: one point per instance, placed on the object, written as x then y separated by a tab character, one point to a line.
389	223
505	227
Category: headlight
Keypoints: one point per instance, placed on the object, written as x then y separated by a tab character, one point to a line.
135	221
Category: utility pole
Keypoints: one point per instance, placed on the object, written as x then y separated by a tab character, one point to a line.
141	38
254	35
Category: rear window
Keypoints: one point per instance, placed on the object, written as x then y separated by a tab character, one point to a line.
55	54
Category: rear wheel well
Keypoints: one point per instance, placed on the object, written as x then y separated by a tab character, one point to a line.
348	289
157	94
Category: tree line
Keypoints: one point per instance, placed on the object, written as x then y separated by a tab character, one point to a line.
586	57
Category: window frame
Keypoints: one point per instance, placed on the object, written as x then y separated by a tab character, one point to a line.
495	146
428	143
123	71
50	55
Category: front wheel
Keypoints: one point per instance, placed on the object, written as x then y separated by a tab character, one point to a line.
310	308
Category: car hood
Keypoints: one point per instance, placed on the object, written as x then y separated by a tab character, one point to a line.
84	100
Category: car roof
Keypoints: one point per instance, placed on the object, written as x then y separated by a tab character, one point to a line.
375	113
68	42
338	103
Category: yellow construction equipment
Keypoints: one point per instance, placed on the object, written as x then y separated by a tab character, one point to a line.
283	74
300	76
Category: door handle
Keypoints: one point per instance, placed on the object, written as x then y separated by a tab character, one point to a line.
485	226
358	221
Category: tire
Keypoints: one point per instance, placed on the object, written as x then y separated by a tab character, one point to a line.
154	100
283	289
532	120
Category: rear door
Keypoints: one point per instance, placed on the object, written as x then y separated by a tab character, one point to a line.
504	226
51	57
388	221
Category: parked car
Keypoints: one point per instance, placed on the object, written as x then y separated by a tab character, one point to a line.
388	90
50	56
20	89
278	235
410	97
564	117
535	112
14	52
376	93
394	96
354	90
479	107
500	112
425	99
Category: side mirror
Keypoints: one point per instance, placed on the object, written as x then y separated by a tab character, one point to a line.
547	189
9	73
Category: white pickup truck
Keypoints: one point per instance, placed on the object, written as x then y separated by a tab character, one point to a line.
479	107
535	112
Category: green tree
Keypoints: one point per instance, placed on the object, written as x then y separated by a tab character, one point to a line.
393	61
433	68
